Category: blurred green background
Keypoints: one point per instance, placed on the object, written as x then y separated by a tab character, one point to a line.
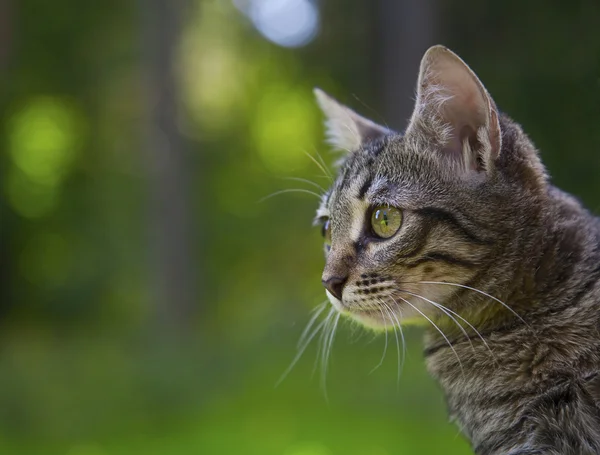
149	301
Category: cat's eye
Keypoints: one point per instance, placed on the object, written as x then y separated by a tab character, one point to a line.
326	231
385	221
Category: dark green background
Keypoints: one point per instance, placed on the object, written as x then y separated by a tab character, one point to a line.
149	302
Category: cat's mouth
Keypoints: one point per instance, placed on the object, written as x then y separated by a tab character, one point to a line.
381	312
371	318
372	315
336	303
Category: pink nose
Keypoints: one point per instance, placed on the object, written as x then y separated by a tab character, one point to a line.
335	285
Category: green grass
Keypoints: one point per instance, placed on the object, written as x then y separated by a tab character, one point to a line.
99	397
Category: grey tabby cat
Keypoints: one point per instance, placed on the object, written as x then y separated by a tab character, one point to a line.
455	223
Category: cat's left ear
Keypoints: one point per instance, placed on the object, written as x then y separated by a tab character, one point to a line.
346	130
450	98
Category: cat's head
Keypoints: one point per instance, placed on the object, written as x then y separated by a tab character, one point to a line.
413	219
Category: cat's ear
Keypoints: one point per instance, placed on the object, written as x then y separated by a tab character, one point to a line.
451	97
346	130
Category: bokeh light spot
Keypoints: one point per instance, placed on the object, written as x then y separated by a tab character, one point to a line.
215	72
288	23
29	199
285	128
43	136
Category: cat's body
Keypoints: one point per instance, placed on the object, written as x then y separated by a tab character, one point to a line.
540	392
506	265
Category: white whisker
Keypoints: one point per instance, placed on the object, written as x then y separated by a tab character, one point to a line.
310	182
319	165
327	353
381	119
317	312
447	312
301	350
480	292
401	368
462	319
436	327
385	346
322	337
320	157
397	327
290	190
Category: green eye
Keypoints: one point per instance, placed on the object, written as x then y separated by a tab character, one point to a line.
326	231
385	221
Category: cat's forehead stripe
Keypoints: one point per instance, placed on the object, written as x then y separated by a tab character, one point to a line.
349	172
358	208
355	182
358	214
346	203
365	187
358	167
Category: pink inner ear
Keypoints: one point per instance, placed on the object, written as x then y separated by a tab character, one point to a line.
466	111
495	134
451	94
467	107
472	101
454	149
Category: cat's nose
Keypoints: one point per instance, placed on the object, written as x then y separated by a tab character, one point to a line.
335	285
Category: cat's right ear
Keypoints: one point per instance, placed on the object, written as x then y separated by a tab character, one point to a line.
454	103
346	130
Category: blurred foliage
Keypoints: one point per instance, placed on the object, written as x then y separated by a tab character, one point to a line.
83	370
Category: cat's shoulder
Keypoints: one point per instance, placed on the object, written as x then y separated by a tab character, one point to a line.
592	386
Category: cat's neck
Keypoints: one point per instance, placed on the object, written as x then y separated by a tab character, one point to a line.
556	267
555	333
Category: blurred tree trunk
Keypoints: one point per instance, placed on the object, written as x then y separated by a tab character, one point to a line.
167	164
6	227
5	33
406	29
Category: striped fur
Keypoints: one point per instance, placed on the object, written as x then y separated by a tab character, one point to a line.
523	258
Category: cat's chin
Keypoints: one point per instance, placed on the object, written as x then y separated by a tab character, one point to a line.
337	304
372	319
